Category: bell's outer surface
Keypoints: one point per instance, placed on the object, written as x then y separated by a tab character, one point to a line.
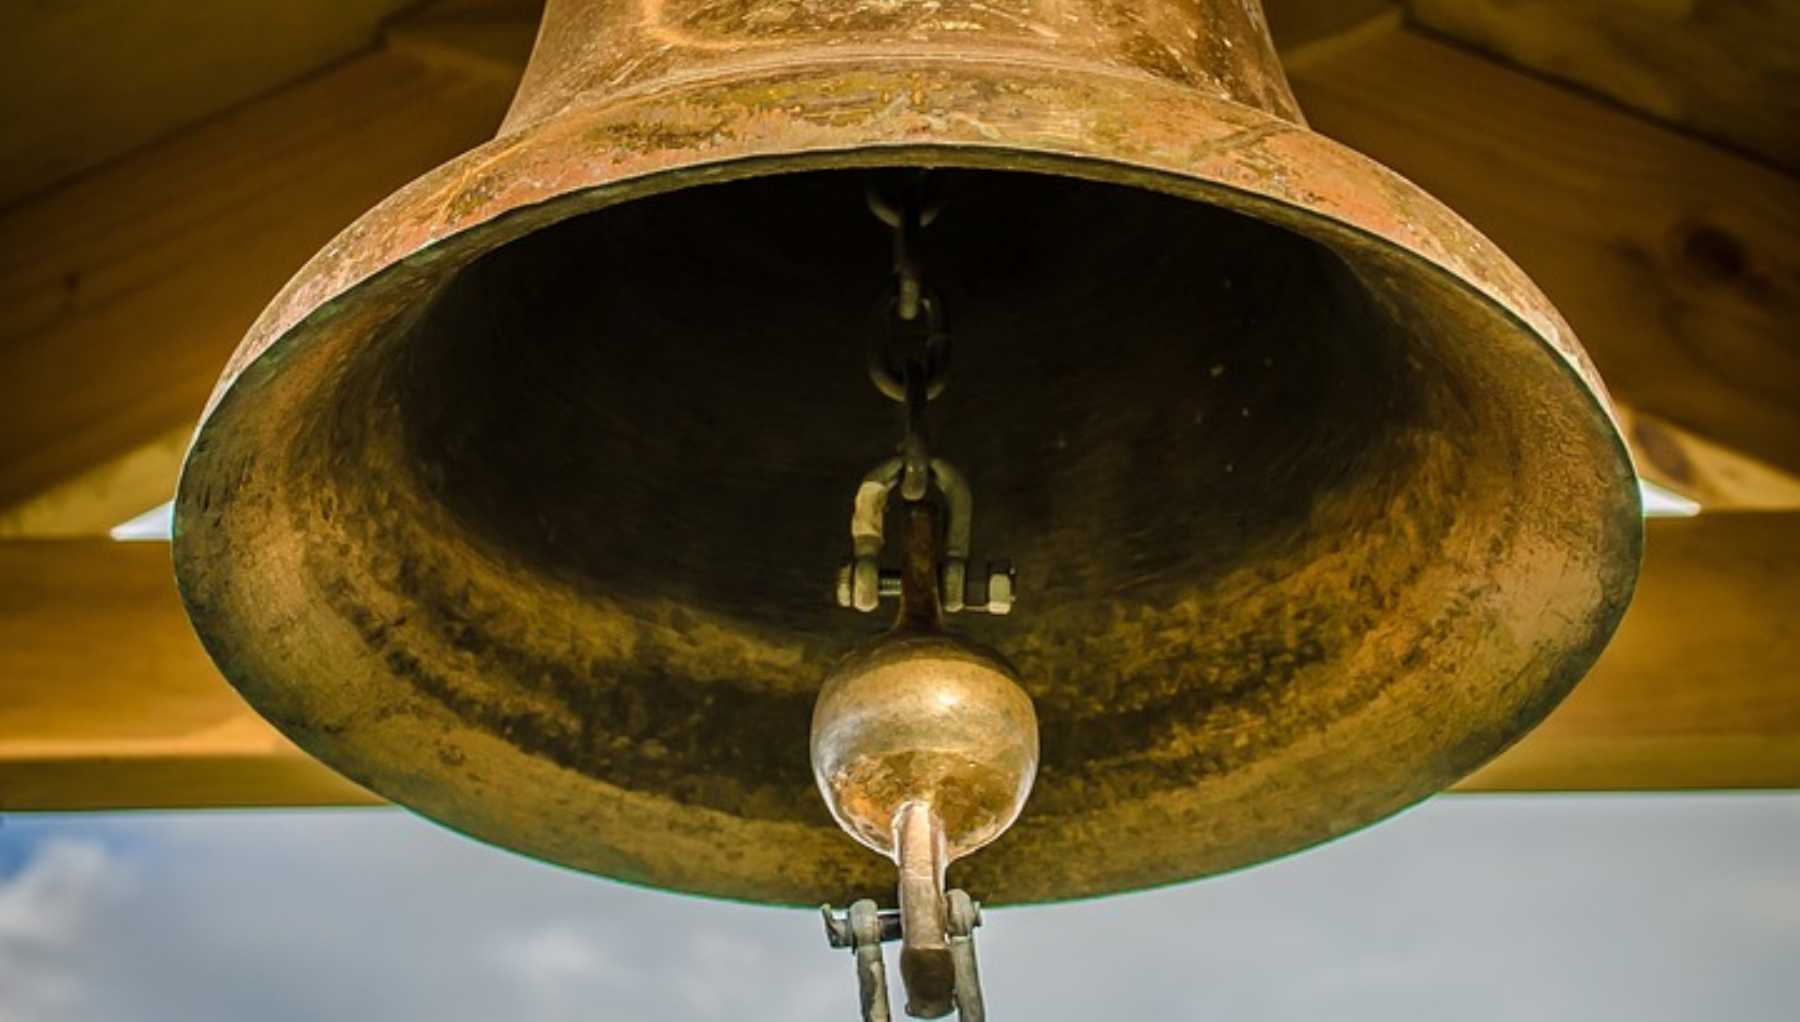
1308	667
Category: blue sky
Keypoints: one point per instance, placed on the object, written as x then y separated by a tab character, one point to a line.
1469	907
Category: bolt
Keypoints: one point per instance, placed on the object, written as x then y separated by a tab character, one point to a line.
843	584
865	584
953	582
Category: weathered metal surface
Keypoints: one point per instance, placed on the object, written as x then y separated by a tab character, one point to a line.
594	50
514	505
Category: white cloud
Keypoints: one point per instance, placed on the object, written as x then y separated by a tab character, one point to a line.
558	971
1476	908
54	902
553	955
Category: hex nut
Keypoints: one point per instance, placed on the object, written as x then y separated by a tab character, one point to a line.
1000	589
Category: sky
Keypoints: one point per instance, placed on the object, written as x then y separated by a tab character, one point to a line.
1672	907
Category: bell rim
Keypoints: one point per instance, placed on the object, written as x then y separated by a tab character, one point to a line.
1235	168
399	235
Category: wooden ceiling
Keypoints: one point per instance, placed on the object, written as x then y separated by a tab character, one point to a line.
165	172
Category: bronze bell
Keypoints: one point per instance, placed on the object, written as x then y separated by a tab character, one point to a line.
521	504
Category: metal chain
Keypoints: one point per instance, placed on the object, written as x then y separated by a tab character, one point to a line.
907	217
909	363
888	368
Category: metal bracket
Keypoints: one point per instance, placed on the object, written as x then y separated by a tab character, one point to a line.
863	928
861	581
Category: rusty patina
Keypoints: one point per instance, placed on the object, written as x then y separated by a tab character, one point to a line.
519	504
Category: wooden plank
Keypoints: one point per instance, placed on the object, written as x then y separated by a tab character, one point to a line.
1701	685
108	700
1730	70
1295	23
1677	262
492	38
83	82
175	781
122	293
91	503
1715	477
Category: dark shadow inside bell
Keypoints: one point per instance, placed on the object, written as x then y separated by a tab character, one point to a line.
669	397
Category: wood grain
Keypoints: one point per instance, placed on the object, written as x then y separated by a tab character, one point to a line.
1726	69
122	293
84	82
108	701
1715	477
1295	23
1700	688
1677	262
93	501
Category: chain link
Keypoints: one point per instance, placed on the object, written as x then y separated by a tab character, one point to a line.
909	363
907	215
888	367
912	308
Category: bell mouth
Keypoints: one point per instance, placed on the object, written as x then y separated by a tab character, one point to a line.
534	529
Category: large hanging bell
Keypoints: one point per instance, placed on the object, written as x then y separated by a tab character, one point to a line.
521	504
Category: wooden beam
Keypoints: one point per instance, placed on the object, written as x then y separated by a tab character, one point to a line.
1296	23
91	503
110	702
1677	262
1715	477
1730	71
175	781
1700	688
122	293
489	38
84	82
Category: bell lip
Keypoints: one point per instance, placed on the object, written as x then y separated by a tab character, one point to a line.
1262	166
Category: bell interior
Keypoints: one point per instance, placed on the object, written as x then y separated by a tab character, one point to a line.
669	399
545	546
